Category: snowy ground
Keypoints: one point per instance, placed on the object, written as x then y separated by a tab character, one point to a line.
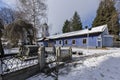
105	67
95	51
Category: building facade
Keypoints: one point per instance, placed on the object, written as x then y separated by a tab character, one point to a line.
97	37
45	30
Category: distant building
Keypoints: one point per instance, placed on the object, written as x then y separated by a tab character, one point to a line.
45	30
94	38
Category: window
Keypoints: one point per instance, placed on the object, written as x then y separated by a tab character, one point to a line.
59	42
84	41
73	41
66	42
99	39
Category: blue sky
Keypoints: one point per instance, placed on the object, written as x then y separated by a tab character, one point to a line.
1	4
60	10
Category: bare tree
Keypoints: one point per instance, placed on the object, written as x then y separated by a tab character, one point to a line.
118	9
34	11
20	30
7	15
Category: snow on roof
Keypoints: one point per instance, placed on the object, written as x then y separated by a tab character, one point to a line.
80	32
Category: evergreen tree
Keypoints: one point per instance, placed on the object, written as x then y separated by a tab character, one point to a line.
107	14
66	26
76	22
73	25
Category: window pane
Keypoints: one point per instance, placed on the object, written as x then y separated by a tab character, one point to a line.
73	41
66	42
59	42
84	41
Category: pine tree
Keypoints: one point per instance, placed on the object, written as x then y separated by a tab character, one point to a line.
76	22
73	25
107	14
66	26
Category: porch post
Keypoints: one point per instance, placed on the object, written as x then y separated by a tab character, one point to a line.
58	52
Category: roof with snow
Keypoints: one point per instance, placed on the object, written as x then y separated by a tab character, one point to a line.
80	32
98	29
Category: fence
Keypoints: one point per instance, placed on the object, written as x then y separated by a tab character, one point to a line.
19	66
15	65
64	53
60	53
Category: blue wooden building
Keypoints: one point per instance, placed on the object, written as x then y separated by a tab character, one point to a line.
94	38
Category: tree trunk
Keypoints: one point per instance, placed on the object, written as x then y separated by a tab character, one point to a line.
1	49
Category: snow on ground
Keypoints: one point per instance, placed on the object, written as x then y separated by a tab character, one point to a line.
95	51
105	67
41	77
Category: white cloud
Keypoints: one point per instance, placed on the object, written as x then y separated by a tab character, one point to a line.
60	10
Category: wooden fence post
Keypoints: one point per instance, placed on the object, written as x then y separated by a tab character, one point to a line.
70	52
58	52
41	57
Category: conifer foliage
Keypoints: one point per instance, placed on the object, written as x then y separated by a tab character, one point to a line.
107	14
76	22
73	25
66	27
